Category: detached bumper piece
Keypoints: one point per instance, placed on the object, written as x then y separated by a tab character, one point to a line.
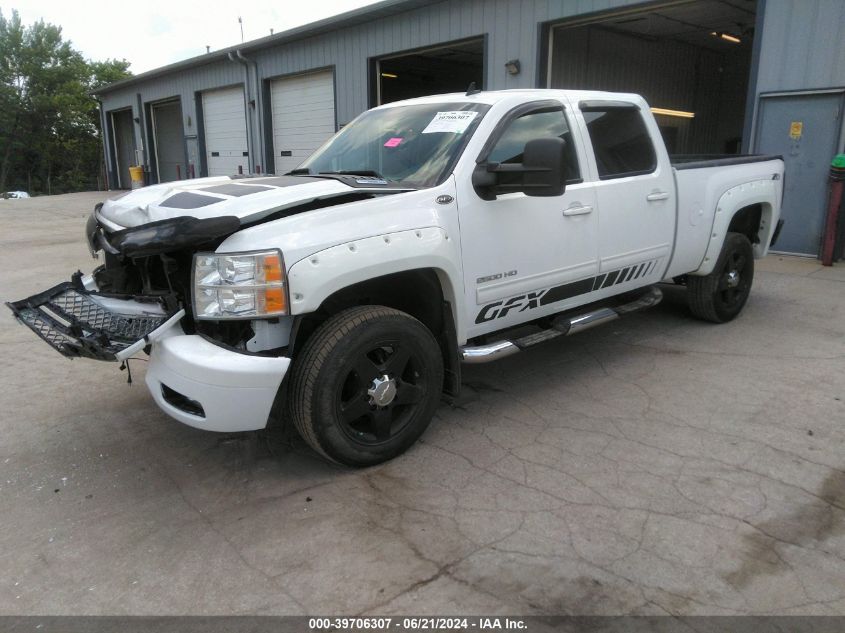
79	323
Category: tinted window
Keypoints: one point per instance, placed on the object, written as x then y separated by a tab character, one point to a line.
620	140
413	145
533	125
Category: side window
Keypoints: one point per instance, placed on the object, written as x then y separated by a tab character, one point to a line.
533	125
621	142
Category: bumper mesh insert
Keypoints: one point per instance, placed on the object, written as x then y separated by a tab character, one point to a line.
75	325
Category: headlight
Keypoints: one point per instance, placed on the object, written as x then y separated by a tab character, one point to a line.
239	285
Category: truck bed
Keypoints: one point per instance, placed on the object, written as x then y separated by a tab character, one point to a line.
698	161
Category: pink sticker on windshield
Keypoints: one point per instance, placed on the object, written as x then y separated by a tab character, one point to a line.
393	142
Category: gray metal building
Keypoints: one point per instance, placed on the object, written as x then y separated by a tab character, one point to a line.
725	75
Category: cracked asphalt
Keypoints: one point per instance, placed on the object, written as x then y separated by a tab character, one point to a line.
654	465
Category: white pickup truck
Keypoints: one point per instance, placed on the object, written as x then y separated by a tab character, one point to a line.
345	295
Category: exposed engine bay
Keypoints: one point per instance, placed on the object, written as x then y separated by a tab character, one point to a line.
146	278
155	260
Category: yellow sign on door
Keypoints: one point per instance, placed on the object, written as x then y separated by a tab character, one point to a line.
796	128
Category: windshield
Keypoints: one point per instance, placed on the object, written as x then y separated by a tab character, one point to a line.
414	145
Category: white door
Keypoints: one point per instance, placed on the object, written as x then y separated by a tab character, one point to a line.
303	117
635	191
526	257
224	123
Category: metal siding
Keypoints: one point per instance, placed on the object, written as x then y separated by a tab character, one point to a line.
183	84
802	45
801	49
511	26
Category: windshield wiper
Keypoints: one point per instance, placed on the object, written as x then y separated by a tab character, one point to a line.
299	171
354	172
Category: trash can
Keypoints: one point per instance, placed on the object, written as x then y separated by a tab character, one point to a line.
136	175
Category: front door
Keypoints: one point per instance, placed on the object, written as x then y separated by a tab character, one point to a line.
804	129
525	257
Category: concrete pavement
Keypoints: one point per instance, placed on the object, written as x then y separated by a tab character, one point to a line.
655	465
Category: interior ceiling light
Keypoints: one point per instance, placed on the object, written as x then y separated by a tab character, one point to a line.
727	37
678	113
389	75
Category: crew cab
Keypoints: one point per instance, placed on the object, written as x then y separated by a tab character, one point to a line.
344	296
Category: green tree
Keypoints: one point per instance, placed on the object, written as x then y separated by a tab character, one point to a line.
50	141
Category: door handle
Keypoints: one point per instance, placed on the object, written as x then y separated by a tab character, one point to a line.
577	210
657	195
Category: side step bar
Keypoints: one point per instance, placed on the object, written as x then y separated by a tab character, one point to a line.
561	326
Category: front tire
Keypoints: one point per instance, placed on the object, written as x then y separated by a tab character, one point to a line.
365	385
720	296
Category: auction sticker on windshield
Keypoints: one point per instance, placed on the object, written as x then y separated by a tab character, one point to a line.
456	121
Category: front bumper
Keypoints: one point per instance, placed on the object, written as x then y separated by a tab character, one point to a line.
209	387
78	322
192	379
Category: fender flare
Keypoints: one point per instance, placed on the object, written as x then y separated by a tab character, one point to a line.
316	277
762	192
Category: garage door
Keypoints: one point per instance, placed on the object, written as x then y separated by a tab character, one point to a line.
690	60
124	146
303	117
224	123
169	141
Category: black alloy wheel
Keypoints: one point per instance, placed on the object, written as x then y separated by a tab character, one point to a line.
734	281
365	385
720	296
376	399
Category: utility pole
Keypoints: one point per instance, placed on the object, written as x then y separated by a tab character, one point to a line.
241	22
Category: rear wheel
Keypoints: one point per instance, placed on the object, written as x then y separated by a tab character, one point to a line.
720	296
366	385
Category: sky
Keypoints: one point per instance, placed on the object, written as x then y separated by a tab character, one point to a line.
153	33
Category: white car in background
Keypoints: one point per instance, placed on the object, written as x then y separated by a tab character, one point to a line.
13	195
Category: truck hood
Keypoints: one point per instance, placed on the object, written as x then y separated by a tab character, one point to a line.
249	199
303	234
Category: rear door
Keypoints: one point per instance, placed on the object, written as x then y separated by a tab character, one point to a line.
635	193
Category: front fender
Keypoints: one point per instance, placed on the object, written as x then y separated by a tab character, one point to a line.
315	278
762	192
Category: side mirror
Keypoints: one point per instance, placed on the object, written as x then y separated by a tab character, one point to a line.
541	172
544	161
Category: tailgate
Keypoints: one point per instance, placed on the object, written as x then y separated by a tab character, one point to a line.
80	323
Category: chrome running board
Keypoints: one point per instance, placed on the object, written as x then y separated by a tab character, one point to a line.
561	326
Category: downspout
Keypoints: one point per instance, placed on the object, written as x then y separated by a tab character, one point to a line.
258	107
104	137
141	158
250	145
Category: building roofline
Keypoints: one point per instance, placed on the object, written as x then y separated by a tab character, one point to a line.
332	23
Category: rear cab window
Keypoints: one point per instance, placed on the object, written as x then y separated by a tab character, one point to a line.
621	143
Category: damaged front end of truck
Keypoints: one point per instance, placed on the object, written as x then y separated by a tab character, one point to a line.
140	292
